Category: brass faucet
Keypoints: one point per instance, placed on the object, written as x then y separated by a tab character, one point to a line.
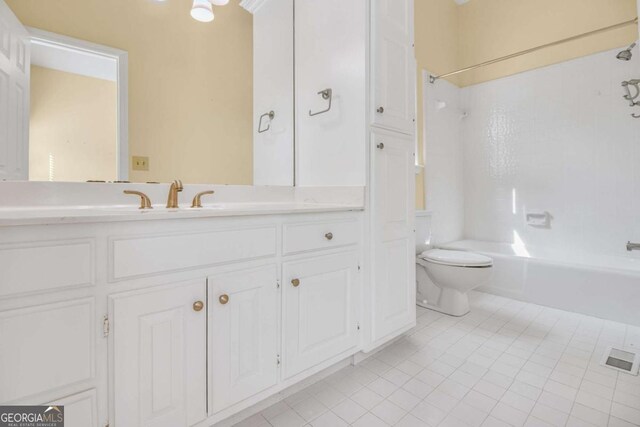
176	187
145	203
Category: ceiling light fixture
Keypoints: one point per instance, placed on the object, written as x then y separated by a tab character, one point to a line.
202	10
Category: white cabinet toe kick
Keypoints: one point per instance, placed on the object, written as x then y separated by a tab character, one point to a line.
177	323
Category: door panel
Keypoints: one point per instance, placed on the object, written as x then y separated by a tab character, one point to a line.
15	69
243	332
394	65
80	410
320	309
394	242
160	356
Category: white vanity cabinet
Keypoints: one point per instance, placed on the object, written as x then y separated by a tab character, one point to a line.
243	354
394	65
320	309
159	355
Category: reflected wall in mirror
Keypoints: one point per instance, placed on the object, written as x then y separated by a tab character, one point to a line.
190	93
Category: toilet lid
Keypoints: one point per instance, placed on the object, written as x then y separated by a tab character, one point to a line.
456	258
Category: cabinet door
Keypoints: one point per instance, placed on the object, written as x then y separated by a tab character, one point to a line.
159	356
394	71
393	186
320	309
243	335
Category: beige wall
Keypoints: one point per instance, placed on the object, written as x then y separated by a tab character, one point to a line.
449	37
493	28
190	83
72	127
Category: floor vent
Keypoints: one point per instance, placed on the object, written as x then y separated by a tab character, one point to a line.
621	360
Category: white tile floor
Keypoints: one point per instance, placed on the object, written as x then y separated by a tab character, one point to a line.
507	363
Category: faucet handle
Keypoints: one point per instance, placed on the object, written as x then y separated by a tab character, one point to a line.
145	202
197	203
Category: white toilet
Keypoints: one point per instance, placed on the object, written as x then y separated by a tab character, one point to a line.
444	277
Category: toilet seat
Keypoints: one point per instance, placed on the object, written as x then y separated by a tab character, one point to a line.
456	258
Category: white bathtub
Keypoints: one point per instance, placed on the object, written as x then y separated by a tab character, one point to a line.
606	287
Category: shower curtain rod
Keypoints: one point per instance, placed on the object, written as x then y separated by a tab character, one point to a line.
432	78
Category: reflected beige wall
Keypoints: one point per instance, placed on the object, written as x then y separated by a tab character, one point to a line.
449	37
72	129
190	83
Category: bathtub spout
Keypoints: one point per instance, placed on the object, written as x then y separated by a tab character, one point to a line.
633	246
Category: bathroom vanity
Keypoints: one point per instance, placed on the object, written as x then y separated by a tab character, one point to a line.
187	316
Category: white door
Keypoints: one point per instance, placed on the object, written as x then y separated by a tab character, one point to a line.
330	48
243	335
394	71
393	184
159	356
320	309
15	66
273	91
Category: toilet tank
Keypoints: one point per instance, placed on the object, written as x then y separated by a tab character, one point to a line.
423	231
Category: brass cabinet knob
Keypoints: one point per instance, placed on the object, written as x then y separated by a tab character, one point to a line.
380	146
329	236
295	283
198	306
224	298
380	110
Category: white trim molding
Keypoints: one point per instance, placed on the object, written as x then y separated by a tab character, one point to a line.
252	6
121	58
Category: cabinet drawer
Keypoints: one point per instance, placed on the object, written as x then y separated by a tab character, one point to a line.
147	255
309	236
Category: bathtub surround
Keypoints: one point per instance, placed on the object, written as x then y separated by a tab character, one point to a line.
559	139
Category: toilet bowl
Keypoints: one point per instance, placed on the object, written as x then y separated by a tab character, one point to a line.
444	278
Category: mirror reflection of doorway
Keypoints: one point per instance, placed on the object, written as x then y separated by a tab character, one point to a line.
73	125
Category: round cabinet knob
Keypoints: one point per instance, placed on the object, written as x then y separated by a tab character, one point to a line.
380	146
224	298
380	110
329	236
198	306
295	283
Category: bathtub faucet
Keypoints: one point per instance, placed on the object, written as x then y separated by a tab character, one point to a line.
633	246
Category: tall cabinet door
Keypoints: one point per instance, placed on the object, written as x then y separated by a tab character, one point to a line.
394	69
393	233
15	66
331	86
243	335
320	309
159	356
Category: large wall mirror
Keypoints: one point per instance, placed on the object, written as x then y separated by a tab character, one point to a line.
145	91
